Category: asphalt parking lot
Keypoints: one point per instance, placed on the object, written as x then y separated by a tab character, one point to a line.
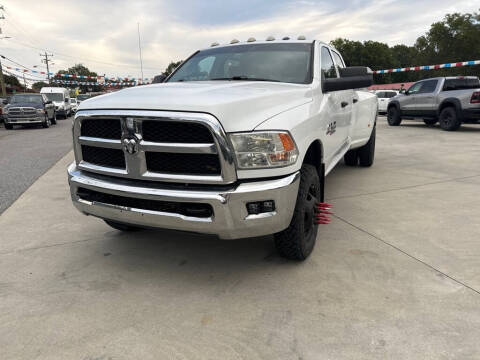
26	153
396	275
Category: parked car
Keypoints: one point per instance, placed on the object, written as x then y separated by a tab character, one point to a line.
384	97
60	98
74	103
237	142
29	109
450	101
82	97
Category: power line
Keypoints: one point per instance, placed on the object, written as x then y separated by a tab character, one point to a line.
16	63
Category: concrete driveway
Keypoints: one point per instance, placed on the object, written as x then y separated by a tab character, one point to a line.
395	276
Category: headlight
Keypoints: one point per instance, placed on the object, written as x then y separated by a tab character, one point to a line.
256	150
40	111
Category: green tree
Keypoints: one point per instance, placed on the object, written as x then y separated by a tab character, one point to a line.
80	69
172	66
38	85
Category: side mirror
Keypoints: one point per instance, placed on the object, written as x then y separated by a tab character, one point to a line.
159	79
354	77
48	102
66	100
4	101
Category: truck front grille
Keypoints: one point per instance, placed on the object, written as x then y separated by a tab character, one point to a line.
176	132
153	145
102	128
22	111
192	164
113	158
182	208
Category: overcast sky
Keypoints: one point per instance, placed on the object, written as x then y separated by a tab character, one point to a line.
103	34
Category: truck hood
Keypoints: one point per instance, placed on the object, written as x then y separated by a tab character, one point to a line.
238	105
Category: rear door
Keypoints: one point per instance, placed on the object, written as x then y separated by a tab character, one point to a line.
425	104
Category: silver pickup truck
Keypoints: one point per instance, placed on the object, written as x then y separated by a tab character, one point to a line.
450	101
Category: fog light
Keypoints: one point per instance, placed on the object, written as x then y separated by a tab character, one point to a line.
259	207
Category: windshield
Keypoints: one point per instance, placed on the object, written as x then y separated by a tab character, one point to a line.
73	101
54	97
83	97
386	94
32	99
289	63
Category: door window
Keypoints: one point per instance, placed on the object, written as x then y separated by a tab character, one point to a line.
338	60
328	67
428	86
415	88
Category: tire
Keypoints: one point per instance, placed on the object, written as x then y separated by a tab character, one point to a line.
54	118
8	126
449	120
393	116
430	122
121	227
298	240
46	124
366	154
351	158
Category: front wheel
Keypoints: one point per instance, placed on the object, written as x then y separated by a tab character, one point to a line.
298	240
393	116
46	123
54	118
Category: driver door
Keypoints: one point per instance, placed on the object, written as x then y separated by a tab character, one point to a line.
408	103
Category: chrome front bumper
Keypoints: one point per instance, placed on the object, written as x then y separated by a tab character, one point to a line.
24	120
230	218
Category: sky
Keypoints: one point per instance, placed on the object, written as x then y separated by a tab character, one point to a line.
102	34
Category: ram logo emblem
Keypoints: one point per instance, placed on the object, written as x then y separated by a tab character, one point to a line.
332	127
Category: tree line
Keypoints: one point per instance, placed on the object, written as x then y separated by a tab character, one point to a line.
455	38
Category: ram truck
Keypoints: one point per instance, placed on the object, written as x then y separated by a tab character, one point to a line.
450	101
236	142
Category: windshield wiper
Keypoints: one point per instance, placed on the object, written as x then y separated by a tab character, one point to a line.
244	78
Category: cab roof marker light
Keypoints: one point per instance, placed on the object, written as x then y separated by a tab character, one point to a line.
214	44
234	41
270	38
286	38
301	37
252	39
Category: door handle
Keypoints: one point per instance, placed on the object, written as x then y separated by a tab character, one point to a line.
344	103
355	101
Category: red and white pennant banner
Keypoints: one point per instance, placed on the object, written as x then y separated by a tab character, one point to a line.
429	67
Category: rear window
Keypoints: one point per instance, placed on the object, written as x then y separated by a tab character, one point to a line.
461	84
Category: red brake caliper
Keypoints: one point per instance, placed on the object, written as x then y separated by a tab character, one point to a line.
322	212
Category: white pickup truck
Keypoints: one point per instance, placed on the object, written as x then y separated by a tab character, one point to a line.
237	142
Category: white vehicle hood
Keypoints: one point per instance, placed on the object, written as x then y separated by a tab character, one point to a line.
238	105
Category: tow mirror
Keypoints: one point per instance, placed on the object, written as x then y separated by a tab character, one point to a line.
4	101
355	77
159	79
48	102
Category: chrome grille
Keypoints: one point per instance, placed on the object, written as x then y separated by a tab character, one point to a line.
22	111
165	146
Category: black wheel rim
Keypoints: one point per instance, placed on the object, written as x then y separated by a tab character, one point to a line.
309	214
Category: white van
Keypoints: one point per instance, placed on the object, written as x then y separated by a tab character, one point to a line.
60	98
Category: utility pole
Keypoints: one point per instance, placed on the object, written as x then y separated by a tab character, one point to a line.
2	80
24	84
140	49
45	60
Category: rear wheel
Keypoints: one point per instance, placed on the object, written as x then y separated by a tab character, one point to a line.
351	158
393	116
430	122
298	240
121	227
449	120
54	118
366	154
